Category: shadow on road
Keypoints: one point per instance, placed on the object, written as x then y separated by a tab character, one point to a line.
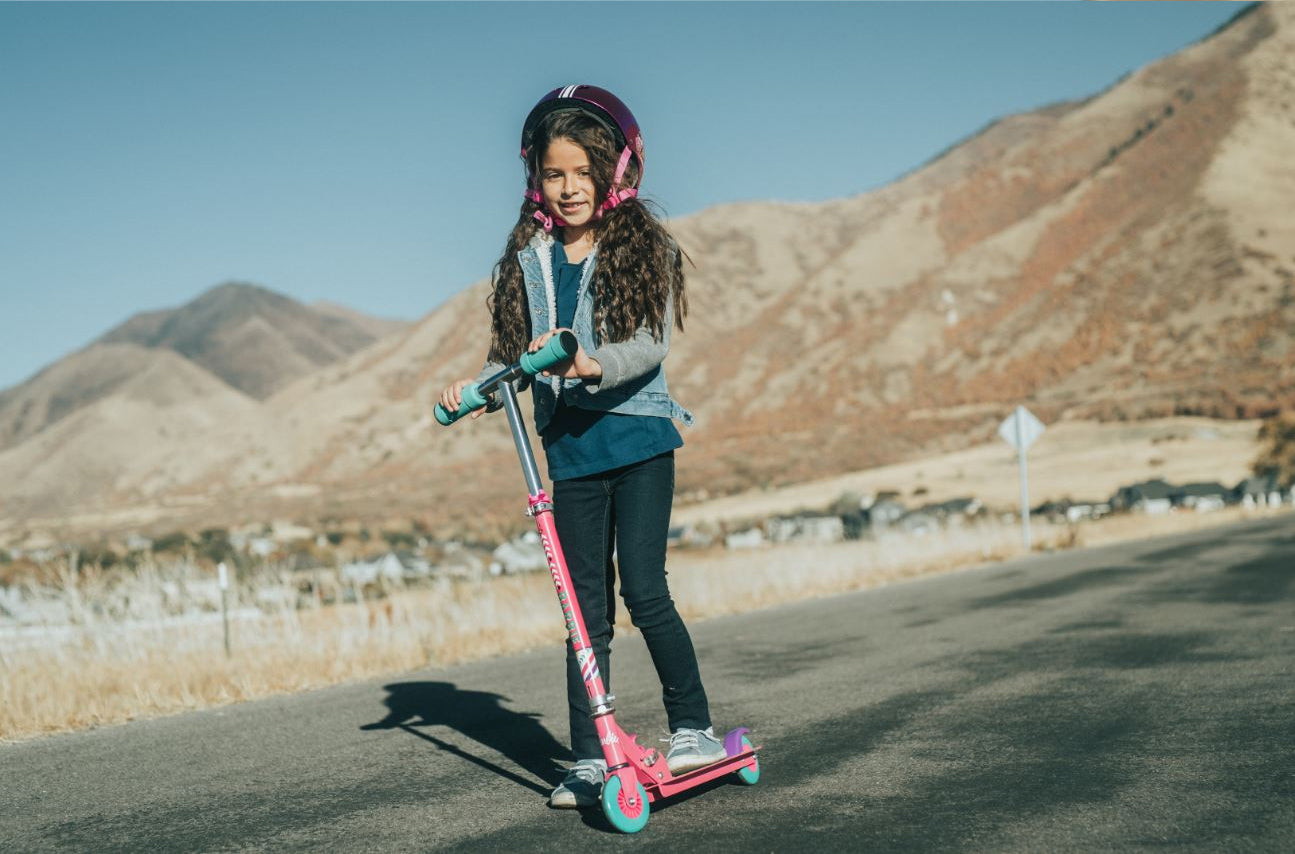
518	736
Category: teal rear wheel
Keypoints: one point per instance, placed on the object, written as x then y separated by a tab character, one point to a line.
750	774
625	817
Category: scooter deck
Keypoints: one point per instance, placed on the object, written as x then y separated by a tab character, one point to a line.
658	786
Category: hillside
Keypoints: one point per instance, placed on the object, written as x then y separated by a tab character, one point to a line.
118	443
1123	257
251	337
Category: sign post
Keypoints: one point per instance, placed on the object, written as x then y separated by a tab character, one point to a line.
224	602
1020	430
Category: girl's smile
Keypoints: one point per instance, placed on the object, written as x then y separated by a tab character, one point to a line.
567	182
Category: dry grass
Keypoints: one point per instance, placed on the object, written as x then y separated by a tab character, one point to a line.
105	672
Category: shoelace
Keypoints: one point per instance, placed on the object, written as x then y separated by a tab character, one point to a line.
588	772
683	739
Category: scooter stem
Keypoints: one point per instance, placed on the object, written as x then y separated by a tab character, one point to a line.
541	507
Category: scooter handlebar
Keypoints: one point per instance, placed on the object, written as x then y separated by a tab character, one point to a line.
558	349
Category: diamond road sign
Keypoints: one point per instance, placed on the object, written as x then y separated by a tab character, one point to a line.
1021	429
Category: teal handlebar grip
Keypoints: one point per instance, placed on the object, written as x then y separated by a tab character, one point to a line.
558	349
471	399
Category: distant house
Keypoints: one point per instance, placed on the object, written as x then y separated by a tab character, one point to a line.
416	567
918	522
1202	497
524	554
1069	510
751	538
955	510
1151	496
885	512
805	528
690	536
1080	510
386	569
1259	491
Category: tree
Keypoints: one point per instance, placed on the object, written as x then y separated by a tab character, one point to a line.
1277	454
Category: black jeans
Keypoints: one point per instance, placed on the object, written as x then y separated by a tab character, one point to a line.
627	508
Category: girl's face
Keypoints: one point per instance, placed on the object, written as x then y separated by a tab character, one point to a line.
567	183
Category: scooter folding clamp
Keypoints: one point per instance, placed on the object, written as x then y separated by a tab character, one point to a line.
539	507
602	705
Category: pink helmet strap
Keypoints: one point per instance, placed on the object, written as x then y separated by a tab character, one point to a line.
615	196
546	219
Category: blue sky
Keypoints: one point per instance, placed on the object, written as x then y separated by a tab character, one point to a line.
366	153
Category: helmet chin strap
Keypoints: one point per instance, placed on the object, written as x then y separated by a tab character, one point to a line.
546	218
615	196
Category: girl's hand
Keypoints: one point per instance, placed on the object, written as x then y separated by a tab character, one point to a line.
581	366
451	398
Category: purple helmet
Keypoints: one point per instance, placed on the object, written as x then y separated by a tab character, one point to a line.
599	103
613	114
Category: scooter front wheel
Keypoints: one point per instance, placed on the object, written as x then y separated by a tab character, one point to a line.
624	816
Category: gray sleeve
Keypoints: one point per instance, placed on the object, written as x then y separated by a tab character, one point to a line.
488	370
624	361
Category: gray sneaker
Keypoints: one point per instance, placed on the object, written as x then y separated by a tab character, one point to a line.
582	785
691	749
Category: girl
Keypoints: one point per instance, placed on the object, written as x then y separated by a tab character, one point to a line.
588	256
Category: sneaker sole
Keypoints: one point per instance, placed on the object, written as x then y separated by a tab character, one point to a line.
693	764
568	801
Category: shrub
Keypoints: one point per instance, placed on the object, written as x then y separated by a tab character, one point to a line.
1277	454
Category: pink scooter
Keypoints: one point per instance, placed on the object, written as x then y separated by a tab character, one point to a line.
636	775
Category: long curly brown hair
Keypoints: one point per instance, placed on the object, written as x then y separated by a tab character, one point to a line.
639	267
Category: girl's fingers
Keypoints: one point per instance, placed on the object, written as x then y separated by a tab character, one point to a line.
452	397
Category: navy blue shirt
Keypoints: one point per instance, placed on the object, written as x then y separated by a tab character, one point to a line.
581	442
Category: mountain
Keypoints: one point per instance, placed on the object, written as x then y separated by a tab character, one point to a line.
249	337
1124	256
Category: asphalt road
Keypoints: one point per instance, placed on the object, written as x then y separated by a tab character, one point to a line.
1127	698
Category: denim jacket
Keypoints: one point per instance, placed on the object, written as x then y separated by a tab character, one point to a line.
633	380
